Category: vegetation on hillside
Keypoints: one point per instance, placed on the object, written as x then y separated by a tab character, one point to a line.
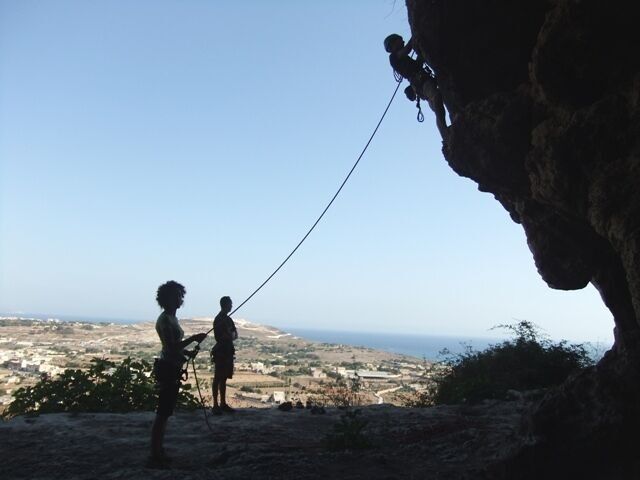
104	387
528	361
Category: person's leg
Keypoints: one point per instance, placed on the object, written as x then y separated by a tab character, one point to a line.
216	388
167	400
223	401
157	435
223	391
437	106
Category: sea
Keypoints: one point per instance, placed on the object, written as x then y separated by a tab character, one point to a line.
429	347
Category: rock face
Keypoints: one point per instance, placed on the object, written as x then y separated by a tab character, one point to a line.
543	98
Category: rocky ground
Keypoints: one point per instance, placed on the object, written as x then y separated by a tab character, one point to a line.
447	442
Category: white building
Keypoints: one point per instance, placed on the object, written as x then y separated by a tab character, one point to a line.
260	367
278	397
318	373
367	374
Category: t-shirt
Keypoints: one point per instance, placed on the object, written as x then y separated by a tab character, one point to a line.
224	331
170	334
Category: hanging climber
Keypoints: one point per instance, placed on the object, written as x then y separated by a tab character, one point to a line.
422	82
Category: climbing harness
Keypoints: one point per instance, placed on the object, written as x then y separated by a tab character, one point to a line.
375	130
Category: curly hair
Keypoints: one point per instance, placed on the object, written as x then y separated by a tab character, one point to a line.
168	293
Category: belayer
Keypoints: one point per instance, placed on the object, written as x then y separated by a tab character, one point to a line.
168	368
222	355
423	84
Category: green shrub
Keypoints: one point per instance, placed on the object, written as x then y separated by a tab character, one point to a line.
348	434
424	398
104	387
525	362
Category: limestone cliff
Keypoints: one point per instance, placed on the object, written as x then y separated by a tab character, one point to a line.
543	97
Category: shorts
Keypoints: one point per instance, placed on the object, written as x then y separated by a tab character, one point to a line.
167	399
223	367
168	380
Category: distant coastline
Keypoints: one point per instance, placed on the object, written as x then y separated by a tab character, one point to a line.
429	347
415	345
419	345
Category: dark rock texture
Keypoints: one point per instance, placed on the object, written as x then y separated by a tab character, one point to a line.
544	98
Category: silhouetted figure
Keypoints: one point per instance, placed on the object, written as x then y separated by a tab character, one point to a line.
168	368
222	354
423	82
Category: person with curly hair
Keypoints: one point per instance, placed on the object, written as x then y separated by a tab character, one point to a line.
168	367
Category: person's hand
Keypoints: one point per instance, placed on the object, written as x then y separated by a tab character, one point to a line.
199	337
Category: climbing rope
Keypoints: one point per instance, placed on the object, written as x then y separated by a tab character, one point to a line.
375	130
204	406
197	347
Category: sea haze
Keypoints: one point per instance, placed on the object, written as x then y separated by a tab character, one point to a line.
427	346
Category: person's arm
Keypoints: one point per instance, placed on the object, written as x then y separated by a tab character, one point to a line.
198	337
225	331
234	332
406	50
171	340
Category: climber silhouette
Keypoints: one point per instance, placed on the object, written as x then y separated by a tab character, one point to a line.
222	355
168	368
423	83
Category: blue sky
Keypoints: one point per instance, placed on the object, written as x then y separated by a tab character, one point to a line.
198	140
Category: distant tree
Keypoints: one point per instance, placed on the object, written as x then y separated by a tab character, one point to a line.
332	374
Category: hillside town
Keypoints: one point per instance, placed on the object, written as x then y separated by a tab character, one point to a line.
272	366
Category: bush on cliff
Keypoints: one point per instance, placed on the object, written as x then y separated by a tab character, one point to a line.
104	387
526	362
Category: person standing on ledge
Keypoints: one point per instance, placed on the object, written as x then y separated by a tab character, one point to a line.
423	82
222	354
168	368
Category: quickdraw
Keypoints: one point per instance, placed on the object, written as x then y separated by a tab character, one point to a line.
420	116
